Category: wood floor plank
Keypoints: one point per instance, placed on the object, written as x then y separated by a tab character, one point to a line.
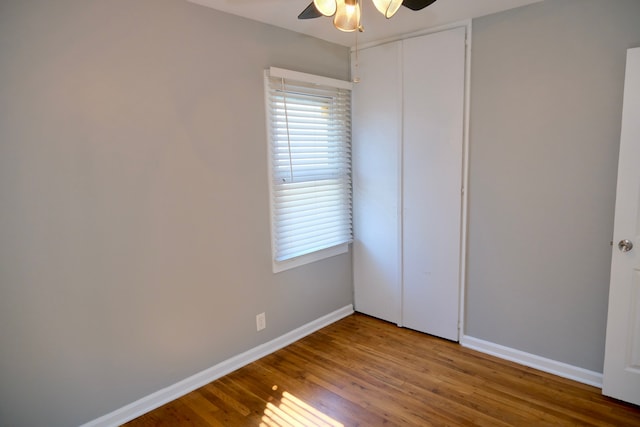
386	396
361	371
202	407
322	398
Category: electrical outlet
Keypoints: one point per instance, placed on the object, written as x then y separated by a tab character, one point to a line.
261	321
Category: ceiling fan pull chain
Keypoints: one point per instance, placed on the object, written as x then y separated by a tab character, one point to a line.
356	66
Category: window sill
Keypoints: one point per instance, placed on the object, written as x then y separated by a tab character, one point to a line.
309	258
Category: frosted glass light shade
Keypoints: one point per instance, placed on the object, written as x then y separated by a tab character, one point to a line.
326	7
387	7
347	15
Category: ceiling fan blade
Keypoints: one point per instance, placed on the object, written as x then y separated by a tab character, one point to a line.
310	12
417	4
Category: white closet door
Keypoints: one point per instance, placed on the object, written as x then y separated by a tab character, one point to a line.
377	131
434	73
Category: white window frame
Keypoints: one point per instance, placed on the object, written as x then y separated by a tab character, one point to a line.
294	76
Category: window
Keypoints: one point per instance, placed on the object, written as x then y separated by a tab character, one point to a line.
309	134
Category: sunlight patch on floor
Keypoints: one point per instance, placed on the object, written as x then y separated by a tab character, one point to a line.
293	412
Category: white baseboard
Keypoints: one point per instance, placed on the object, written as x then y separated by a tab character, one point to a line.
179	389
531	360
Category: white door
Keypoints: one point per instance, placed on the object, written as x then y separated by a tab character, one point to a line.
377	130
432	173
621	377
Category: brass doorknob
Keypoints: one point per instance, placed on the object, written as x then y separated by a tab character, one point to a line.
625	245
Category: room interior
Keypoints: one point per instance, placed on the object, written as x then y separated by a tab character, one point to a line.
135	238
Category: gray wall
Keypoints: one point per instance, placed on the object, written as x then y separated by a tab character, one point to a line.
546	102
134	214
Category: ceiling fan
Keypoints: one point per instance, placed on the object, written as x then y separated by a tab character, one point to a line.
346	13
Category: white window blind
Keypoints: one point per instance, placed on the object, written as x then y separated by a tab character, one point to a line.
309	130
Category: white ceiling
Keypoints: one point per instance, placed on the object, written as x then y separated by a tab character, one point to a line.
283	13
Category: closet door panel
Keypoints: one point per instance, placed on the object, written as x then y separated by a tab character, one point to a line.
434	72
377	121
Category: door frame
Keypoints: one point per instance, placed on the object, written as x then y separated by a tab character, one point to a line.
462	274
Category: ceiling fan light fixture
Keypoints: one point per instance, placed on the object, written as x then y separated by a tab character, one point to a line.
387	7
326	7
347	16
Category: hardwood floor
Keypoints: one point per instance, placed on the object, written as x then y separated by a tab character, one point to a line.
362	371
